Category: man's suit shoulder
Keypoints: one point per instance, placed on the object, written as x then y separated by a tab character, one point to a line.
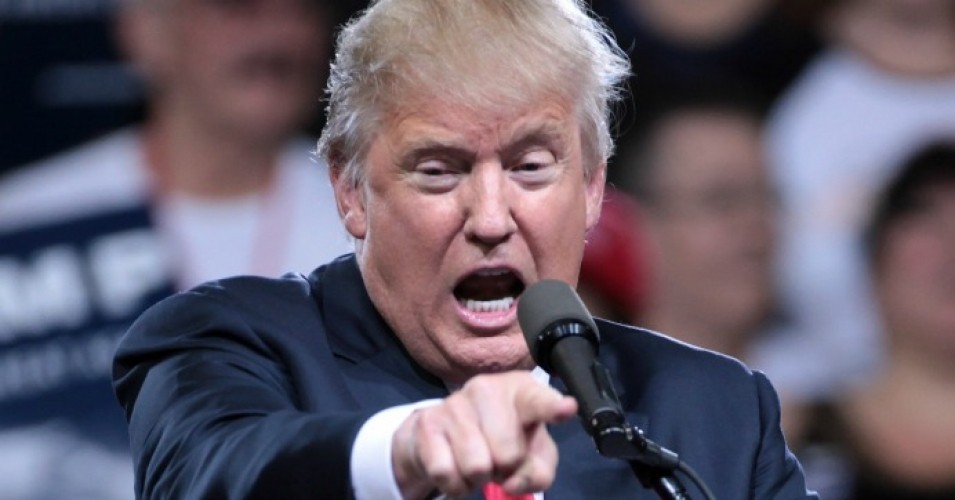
264	315
662	362
247	298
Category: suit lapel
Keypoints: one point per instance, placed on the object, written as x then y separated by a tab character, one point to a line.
378	370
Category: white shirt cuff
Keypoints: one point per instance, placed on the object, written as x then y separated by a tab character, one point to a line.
372	477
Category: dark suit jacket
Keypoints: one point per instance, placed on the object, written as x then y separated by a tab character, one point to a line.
256	388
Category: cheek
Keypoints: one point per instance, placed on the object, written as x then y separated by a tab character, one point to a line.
916	255
915	285
910	267
690	247
555	233
419	229
203	72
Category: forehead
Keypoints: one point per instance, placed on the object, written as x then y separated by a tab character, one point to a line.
934	194
549	118
706	145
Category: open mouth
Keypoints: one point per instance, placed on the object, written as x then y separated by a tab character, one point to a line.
489	290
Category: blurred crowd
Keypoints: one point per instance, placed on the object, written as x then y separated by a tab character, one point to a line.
783	192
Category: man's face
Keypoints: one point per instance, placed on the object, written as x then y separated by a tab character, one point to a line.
714	219
250	67
460	211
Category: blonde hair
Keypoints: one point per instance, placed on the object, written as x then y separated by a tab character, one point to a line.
489	54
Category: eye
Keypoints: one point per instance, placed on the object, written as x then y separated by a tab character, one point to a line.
437	167
538	166
435	175
530	167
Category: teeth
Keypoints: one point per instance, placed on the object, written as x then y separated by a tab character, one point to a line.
489	305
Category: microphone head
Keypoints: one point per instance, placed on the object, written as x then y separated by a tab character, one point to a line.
545	304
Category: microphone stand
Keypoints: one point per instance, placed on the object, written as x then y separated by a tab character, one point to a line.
664	482
652	464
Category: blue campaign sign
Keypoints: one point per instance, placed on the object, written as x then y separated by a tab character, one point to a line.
67	293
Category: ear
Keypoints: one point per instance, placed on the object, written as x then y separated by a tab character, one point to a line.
350	199
595	194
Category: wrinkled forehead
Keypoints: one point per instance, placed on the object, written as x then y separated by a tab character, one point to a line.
419	121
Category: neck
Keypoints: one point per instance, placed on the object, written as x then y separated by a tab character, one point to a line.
196	160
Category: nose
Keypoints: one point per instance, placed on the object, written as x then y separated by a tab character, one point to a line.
488	206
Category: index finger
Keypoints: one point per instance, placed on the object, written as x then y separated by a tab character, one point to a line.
538	403
507	405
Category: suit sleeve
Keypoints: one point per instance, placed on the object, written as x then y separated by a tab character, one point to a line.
213	413
776	473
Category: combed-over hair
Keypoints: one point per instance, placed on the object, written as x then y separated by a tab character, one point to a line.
485	54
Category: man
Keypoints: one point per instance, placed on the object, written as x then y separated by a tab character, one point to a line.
468	142
710	219
217	182
219	163
709	216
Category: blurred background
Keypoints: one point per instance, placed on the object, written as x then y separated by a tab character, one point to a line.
783	192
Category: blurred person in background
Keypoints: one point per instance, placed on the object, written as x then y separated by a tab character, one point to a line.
893	436
710	230
216	182
884	84
681	45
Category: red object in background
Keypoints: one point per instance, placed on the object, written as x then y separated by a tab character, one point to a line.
614	262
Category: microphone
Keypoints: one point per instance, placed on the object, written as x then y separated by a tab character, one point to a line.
563	340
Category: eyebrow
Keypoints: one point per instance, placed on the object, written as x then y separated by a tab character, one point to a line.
547	133
417	150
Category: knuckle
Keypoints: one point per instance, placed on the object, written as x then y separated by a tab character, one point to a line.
476	470
429	421
439	473
509	454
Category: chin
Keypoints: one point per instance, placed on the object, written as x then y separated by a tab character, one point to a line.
494	354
